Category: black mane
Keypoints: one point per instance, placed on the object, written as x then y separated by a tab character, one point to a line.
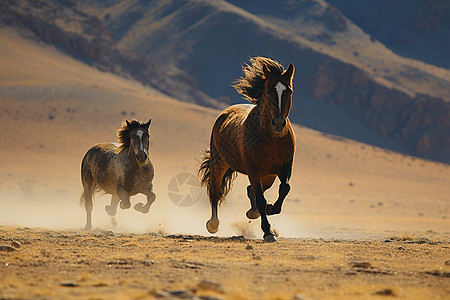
251	85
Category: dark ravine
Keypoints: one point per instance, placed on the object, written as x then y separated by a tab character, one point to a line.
414	124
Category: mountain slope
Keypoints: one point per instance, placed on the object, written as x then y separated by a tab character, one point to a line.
421	27
342	77
346	83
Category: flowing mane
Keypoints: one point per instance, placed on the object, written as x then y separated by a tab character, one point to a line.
251	85
124	134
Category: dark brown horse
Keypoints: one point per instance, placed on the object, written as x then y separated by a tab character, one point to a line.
122	170
254	139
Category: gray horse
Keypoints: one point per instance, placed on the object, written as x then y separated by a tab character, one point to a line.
122	170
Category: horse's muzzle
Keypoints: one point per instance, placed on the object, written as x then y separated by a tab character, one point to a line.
141	157
278	124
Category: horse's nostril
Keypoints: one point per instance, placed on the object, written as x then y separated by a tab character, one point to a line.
273	122
284	122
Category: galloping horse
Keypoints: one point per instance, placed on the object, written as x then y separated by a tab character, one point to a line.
253	139
122	170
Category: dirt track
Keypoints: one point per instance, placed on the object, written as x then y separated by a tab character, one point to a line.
44	264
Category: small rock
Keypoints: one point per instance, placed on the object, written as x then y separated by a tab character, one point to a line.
15	244
401	248
298	297
385	292
447	262
438	273
68	284
249	247
147	263
7	248
191	266
210	286
182	294
364	265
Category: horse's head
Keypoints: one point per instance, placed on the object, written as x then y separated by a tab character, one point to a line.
140	141
278	91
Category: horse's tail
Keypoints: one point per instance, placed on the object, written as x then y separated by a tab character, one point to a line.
204	173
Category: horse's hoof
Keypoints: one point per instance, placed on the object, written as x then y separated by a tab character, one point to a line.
109	210
270	238
141	208
272	210
125	205
252	213
212	226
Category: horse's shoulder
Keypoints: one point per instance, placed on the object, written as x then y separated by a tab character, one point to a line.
239	108
235	112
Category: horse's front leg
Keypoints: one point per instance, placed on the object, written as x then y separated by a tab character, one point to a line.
283	190
253	212
150	199
124	198
261	203
112	208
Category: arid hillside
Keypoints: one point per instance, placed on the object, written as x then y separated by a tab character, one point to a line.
347	82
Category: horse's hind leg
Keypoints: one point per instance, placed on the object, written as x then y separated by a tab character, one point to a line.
150	199
112	208
253	212
88	205
218	170
282	191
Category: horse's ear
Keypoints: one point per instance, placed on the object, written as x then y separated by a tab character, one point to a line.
147	125
289	72
128	123
266	72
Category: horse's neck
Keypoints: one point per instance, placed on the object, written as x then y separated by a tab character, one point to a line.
262	116
127	157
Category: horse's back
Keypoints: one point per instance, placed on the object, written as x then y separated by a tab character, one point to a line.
99	150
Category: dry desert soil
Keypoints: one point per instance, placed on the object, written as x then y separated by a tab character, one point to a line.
47	264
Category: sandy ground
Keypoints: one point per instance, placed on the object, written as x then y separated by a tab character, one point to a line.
346	199
105	265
